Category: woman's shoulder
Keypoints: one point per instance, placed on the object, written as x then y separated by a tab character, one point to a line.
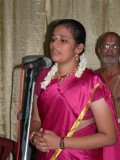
43	74
40	78
91	74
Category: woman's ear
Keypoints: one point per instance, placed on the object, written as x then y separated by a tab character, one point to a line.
79	48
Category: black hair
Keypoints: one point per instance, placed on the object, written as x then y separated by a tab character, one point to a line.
77	29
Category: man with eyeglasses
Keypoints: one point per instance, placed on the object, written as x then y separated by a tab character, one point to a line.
108	51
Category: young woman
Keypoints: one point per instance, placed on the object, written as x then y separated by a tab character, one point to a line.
73	114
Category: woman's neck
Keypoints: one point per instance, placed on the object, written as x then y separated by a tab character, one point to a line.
66	69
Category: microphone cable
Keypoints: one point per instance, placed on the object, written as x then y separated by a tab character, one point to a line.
19	109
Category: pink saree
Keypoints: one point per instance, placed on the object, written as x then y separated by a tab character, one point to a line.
59	107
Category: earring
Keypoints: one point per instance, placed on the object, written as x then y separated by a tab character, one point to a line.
77	58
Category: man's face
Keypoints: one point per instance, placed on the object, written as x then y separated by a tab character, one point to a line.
109	51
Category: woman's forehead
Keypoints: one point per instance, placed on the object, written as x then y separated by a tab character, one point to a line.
63	31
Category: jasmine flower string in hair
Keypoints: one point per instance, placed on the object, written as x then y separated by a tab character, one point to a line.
82	66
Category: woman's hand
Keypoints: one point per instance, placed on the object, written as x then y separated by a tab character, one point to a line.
39	142
51	139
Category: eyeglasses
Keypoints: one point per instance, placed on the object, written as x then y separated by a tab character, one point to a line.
113	47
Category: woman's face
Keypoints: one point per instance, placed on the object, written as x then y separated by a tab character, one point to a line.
62	46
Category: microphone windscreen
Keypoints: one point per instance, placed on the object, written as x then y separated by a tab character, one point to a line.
36	61
48	62
31	58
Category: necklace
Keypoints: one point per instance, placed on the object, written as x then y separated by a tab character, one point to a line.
63	77
54	69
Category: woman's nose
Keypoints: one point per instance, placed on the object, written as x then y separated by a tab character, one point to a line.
56	42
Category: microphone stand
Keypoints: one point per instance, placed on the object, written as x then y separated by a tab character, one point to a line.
26	115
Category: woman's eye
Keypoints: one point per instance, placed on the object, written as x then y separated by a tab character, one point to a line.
63	40
52	39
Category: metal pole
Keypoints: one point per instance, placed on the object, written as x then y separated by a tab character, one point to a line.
29	120
26	115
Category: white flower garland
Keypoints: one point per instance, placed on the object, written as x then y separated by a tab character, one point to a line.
51	73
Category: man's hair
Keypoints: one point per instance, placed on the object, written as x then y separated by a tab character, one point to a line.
100	39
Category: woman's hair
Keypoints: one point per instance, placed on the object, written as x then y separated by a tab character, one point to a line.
77	29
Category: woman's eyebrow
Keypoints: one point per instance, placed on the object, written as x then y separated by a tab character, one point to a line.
59	36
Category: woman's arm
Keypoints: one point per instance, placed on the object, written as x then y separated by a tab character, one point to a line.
106	131
35	131
35	119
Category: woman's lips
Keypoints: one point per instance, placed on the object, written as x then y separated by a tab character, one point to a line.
55	52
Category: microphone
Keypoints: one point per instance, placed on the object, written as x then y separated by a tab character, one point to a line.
36	61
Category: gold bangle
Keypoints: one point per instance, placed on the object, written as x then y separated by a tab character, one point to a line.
31	137
62	143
